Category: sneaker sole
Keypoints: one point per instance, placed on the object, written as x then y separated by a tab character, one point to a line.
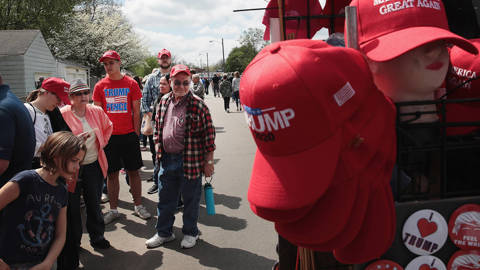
184	247
164	242
144	218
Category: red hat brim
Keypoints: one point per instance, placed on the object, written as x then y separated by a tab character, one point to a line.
328	217
274	184
378	229
377	171
392	45
281	215
107	57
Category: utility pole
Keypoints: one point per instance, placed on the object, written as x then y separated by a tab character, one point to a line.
223	54
208	69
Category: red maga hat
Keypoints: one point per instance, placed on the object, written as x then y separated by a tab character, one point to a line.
59	87
178	69
164	52
389	29
377	171
110	54
298	115
464	69
378	228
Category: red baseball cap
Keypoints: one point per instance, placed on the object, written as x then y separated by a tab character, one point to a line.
164	52
379	170
341	202
59	87
387	30
378	228
296	159
463	67
178	69
110	54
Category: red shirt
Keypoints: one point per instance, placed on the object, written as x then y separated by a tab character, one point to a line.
116	98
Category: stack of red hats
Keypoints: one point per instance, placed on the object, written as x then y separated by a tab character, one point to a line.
326	148
464	72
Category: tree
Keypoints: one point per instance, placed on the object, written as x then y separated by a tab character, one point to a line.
146	66
253	37
85	38
239	58
48	16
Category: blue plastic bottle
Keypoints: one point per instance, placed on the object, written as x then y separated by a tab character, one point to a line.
209	201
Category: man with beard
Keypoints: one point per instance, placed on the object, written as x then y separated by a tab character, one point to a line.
149	95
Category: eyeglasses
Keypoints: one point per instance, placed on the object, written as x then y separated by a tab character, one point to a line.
184	83
81	93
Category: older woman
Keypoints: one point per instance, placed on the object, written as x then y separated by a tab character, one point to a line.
91	123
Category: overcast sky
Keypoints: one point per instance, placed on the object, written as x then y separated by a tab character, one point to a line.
185	27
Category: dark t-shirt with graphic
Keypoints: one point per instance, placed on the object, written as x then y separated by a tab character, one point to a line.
28	224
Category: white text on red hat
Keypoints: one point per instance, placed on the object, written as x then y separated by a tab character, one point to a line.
399	5
264	121
462	76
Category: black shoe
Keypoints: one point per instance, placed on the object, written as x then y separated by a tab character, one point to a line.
101	244
150	179
153	189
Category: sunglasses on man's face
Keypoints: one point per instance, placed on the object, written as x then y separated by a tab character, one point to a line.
184	83
81	93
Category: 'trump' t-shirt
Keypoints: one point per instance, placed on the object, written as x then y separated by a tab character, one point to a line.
116	97
28	224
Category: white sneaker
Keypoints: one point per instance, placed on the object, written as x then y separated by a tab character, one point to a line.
158	240
110	216
142	212
188	241
104	198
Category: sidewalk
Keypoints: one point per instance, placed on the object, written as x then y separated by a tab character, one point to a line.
234	238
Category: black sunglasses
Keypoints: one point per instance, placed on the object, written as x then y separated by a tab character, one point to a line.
81	93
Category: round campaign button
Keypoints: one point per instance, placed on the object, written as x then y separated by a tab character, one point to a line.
464	227
427	262
384	265
464	260
425	232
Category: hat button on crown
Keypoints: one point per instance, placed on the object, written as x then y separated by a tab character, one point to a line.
275	48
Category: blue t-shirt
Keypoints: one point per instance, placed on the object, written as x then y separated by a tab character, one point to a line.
28	224
17	137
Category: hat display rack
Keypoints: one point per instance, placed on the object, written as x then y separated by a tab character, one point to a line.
435	170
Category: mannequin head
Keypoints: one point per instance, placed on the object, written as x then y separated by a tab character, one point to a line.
405	44
414	75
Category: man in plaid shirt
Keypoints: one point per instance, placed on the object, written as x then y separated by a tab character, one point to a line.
149	96
185	141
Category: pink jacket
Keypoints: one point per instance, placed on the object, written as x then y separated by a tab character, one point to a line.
96	118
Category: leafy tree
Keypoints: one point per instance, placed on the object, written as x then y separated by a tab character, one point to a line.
253	37
85	38
146	66
240	57
47	15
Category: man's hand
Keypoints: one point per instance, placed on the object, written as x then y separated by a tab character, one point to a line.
208	170
4	265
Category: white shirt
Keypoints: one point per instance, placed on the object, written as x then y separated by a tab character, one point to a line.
42	126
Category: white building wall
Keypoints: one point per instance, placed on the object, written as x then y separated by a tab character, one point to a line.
39	62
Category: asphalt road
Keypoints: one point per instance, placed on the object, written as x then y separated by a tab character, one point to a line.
234	238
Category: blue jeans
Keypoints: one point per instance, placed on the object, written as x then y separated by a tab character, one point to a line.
174	183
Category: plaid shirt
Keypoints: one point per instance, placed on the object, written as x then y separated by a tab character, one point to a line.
199	133
150	91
